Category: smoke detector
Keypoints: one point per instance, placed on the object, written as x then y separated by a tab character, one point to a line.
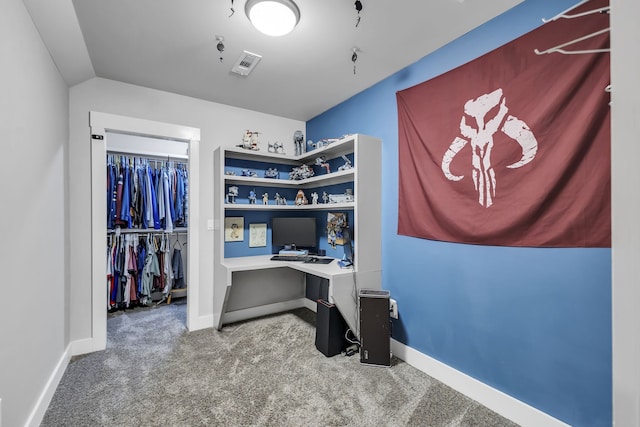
246	63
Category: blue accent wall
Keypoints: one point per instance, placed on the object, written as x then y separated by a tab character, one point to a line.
534	323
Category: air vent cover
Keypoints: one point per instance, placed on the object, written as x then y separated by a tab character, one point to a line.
246	63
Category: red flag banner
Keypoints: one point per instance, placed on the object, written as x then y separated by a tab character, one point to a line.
513	148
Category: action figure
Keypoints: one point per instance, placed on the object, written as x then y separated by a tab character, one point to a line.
252	197
301	172
232	194
280	200
265	199
325	197
322	162
271	173
298	141
314	198
249	172
347	164
301	199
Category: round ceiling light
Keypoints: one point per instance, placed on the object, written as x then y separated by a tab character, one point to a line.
273	17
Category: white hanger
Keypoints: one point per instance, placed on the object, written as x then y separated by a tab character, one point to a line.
564	15
559	48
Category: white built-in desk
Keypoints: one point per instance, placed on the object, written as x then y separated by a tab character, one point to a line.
257	286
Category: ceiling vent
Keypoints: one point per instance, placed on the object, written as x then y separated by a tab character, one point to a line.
246	63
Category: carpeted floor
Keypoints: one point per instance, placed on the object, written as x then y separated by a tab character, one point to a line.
263	372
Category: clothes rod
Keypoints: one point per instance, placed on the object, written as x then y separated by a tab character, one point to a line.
150	156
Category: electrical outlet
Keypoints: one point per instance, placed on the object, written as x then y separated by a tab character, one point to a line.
393	308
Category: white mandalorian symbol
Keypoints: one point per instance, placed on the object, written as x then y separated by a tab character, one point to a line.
484	177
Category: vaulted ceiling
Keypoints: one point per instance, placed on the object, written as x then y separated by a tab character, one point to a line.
171	46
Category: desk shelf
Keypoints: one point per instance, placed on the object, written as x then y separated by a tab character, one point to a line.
364	213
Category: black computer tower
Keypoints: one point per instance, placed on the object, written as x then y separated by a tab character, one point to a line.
375	327
330	329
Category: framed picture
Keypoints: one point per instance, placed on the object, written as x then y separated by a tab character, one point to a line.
336	222
257	235
234	229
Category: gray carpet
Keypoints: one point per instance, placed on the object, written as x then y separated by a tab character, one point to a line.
263	372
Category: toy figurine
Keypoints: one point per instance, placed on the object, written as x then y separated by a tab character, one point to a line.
314	198
280	200
252	197
298	141
265	198
325	197
271	173
301	172
322	162
248	172
276	147
230	173
250	141
301	199
347	164
232	194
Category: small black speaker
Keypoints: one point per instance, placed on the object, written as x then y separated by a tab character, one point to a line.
375	329
330	329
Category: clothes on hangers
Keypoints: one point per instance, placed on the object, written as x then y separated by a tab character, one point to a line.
142	196
139	265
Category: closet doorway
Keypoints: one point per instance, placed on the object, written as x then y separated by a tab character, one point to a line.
127	137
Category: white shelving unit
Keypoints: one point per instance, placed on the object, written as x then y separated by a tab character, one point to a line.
241	294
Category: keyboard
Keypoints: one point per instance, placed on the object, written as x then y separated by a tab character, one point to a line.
289	258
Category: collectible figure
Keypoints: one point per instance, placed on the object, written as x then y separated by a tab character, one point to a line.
298	141
301	199
252	197
347	164
276	147
230	173
325	197
314	198
280	200
322	162
265	199
301	172
248	172
271	173
232	194
250	141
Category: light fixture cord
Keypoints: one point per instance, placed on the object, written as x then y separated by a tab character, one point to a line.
354	58
232	11
358	6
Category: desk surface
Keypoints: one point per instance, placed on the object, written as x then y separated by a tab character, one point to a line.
261	262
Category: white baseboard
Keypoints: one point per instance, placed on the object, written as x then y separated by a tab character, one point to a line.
263	310
200	322
84	346
36	416
499	402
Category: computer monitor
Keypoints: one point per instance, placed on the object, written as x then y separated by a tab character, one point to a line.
294	232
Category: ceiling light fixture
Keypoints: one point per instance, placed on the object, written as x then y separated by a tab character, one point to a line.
273	17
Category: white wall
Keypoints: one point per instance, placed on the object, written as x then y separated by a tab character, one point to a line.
219	125
34	127
625	177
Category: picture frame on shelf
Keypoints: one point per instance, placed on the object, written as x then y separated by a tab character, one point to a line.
234	229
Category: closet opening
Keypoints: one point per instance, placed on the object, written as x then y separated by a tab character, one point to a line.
144	227
147	222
